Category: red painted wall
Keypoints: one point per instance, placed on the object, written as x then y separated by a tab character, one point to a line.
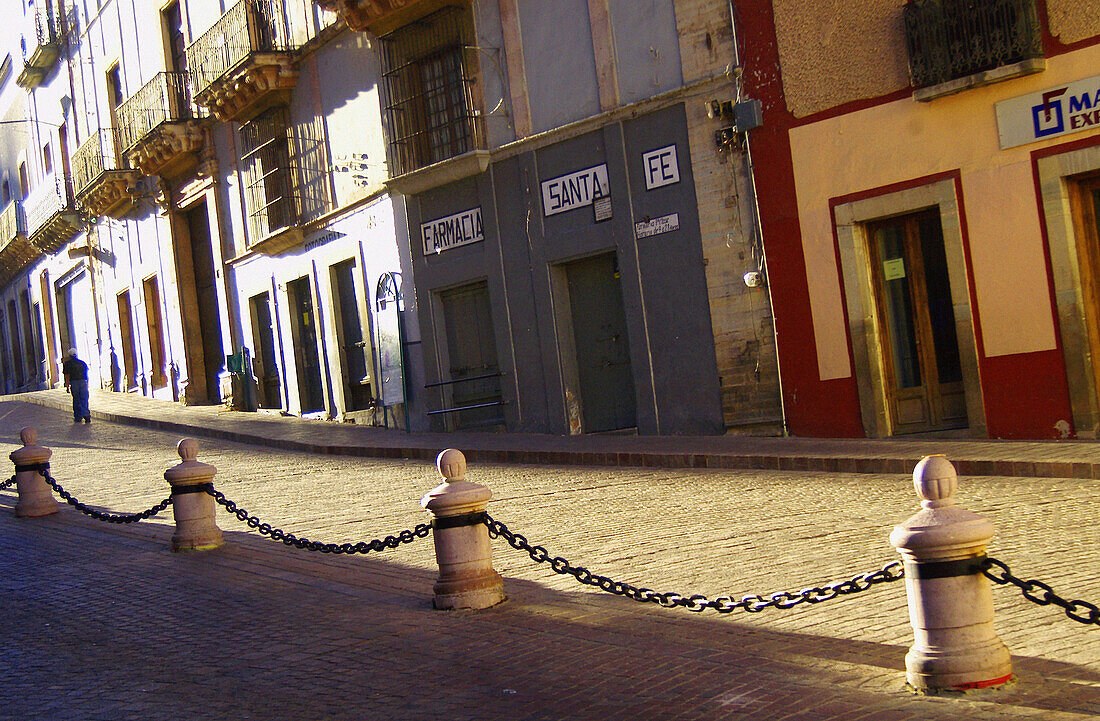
1025	395
813	407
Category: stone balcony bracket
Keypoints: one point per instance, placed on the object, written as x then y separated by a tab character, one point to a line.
112	195
168	149
265	81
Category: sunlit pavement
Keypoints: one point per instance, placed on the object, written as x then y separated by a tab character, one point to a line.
102	621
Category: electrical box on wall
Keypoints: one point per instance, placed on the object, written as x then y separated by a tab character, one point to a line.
748	115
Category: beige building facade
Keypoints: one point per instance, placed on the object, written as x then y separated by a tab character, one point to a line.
942	198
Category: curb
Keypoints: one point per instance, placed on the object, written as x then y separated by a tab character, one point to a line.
661	459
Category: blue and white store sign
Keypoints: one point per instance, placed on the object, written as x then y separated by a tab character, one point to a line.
1050	113
452	231
576	190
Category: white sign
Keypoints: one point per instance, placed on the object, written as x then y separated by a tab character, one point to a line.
388	324
575	190
660	167
1050	113
893	269
452	231
664	224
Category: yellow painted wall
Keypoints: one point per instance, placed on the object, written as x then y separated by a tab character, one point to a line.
906	139
832	51
1073	20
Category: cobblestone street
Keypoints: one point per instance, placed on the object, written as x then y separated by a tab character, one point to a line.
103	622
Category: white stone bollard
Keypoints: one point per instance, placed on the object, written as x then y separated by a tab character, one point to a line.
193	507
462	548
950	604
35	495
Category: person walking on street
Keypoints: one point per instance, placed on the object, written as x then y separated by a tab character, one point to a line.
76	382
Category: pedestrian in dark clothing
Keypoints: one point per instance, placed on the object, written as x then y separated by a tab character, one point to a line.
76	382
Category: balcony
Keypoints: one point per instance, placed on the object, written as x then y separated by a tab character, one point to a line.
103	185
379	16
41	51
15	251
159	129
957	44
52	217
245	63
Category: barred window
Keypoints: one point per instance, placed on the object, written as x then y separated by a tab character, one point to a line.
265	152
283	170
430	109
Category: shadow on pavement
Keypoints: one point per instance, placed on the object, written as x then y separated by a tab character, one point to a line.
103	622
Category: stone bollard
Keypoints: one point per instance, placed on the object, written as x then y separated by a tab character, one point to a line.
35	495
193	507
950	603
462	549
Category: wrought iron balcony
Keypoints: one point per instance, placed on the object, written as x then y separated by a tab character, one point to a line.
952	39
13	224
245	63
158	127
40	52
52	217
103	184
15	251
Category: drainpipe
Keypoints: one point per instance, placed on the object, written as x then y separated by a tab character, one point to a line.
757	227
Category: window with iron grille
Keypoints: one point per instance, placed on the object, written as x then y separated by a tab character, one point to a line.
283	172
265	154
950	39
427	75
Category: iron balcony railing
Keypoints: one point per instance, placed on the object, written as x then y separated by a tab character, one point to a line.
249	27
47	25
949	39
97	155
164	99
13	223
50	197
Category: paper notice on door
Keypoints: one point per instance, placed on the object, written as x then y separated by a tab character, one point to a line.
893	269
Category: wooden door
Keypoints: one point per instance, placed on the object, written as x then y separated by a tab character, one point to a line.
129	352
603	353
304	329
1086	212
916	321
355	350
472	353
263	361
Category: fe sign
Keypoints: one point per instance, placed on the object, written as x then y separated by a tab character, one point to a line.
575	190
452	231
660	167
1049	113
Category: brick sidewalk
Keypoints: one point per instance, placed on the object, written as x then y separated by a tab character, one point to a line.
103	622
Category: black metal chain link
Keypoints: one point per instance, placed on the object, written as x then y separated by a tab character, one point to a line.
1040	593
379	544
7	484
724	604
100	515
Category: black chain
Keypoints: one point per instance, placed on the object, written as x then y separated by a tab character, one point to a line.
379	544
1040	593
725	604
7	484
100	515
